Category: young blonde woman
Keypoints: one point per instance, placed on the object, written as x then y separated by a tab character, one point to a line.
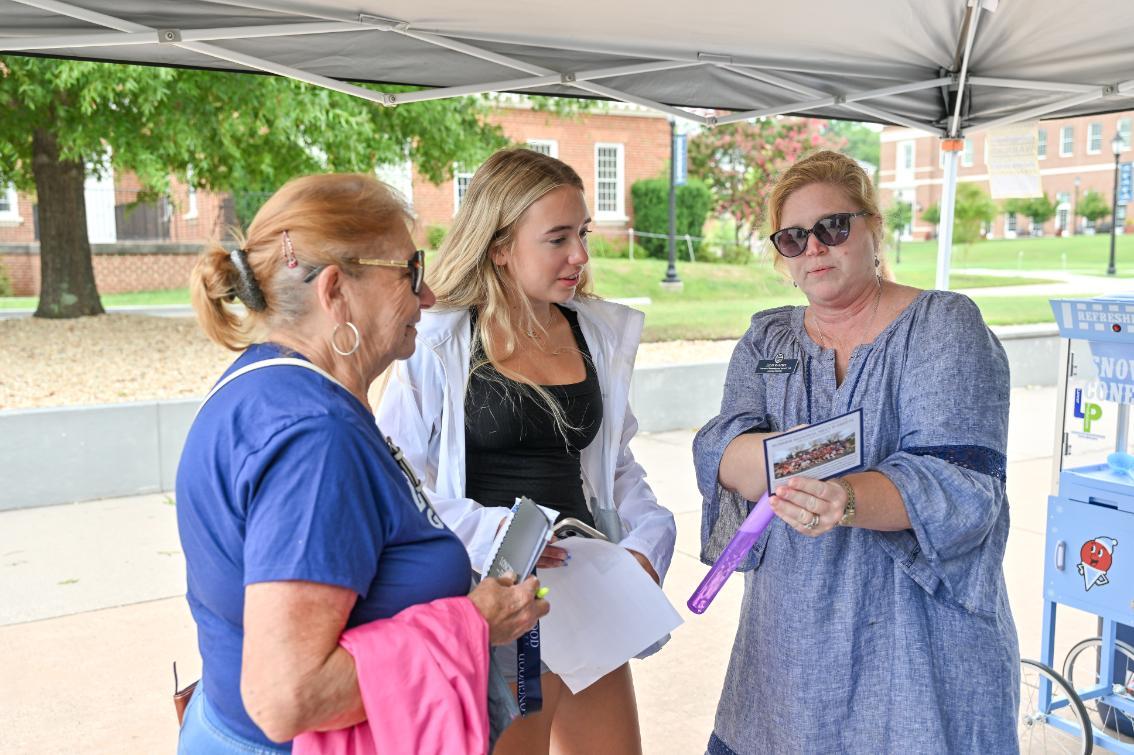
520	386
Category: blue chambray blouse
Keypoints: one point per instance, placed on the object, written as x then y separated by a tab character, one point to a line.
860	641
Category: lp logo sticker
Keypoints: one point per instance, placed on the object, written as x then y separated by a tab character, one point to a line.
1087	412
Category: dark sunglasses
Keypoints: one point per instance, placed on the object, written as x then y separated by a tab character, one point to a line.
831	231
415	264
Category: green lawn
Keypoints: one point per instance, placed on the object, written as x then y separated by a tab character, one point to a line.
719	300
138	298
1085	255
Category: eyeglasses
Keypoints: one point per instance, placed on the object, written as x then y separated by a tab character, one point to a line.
831	231
415	264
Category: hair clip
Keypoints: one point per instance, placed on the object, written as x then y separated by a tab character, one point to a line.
289	251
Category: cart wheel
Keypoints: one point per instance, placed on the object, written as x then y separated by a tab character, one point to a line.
1036	736
1081	669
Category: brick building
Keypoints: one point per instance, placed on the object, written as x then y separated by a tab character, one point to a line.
150	245
610	151
1074	157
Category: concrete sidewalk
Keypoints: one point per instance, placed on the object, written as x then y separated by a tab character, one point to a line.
93	612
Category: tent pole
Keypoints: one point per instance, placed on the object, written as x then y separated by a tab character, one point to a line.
952	149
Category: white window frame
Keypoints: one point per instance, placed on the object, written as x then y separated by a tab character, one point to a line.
551	144
191	203
1041	141
1124	127
1011	225
967	154
11	215
619	213
1066	139
1092	128
908	146
458	174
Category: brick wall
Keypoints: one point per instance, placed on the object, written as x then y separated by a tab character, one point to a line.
115	271
645	140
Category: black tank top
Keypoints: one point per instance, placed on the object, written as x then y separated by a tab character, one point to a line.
512	444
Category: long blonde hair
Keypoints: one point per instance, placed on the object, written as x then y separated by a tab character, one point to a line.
327	218
827	167
465	275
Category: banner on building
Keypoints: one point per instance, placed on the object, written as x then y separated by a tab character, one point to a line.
1013	167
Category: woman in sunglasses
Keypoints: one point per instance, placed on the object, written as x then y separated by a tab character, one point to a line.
875	613
297	518
520	386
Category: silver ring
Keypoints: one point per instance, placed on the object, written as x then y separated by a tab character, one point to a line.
813	523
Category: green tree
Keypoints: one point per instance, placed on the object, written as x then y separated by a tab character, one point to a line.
898	216
1093	207
1038	210
860	141
214	130
740	162
972	209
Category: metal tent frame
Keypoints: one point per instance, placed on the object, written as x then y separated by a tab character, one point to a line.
787	86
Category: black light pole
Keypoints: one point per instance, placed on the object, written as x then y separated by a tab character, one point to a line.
671	243
1116	147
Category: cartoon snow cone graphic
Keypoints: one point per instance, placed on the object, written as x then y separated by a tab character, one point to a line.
1096	557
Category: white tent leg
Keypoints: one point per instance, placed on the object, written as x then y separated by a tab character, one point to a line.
948	204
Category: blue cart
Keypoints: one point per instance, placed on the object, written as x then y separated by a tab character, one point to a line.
1086	701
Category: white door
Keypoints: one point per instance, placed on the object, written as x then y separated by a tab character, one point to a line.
99	195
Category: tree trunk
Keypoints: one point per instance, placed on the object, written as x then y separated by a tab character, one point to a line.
67	285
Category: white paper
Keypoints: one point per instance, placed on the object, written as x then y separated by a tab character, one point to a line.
605	609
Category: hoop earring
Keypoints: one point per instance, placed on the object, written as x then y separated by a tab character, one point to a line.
357	339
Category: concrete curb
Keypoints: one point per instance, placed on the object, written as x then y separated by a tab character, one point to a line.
68	454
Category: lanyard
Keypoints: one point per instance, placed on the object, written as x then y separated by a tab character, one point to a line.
529	695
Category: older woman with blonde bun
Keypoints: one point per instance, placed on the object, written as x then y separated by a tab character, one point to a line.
297	518
875	616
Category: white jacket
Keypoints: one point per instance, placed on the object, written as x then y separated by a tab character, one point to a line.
423	410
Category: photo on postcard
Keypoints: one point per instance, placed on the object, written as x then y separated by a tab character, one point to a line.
822	450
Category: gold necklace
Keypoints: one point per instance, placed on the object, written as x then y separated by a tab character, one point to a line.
828	343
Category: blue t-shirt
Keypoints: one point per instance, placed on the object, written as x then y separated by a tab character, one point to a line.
285	476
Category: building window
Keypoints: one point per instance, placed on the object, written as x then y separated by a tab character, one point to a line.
967	155
1094	138
191	204
1120	218
548	147
609	180
1066	141
461	180
906	156
1010	225
1041	143
1124	132
9	203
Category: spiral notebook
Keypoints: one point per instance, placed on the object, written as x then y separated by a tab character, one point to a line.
520	542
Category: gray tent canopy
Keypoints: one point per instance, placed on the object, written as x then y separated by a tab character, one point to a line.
948	67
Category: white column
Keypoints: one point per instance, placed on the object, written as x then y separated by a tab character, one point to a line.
948	202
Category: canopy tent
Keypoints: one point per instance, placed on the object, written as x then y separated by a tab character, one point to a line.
948	67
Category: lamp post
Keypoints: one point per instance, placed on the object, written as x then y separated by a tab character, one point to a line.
671	281
1116	148
1075	210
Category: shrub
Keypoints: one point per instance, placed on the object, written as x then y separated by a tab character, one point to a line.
605	246
651	212
5	281
434	235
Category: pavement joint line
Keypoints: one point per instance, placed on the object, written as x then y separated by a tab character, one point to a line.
90	610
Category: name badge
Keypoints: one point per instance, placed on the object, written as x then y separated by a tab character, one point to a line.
777	366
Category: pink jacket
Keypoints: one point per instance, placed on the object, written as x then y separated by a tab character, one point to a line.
423	675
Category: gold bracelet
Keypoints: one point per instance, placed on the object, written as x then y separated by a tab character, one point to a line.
849	509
